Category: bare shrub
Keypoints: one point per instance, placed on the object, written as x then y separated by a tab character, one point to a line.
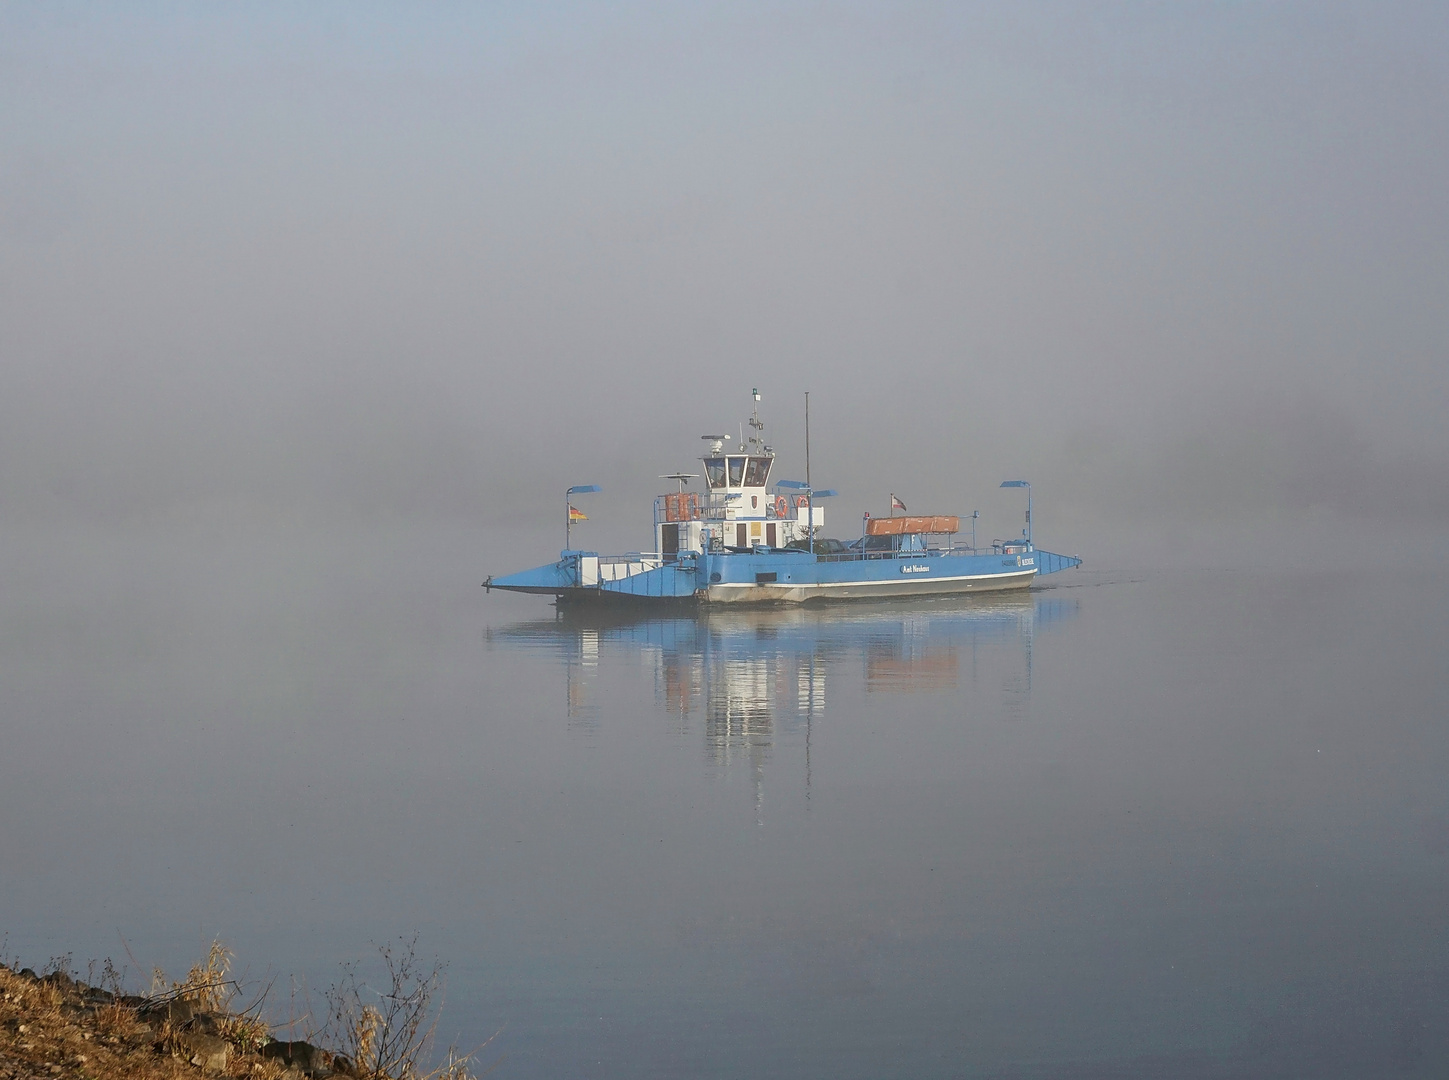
104	976
386	1032
61	964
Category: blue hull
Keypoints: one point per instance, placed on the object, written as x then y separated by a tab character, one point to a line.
765	576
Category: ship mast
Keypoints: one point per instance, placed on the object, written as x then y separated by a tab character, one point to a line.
757	426
809	492
807	438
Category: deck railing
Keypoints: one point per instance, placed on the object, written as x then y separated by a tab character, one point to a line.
713	506
856	555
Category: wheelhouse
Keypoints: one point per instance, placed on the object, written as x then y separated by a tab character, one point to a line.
737	511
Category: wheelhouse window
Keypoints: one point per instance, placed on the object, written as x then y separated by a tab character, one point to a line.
737	471
758	472
714	472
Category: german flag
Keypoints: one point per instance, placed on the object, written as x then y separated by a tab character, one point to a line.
576	515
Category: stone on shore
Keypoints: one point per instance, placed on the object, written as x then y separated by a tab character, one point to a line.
310	1060
207	1051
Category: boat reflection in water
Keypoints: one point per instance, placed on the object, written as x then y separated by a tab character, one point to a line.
748	678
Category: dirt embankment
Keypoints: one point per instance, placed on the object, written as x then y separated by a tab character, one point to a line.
54	1026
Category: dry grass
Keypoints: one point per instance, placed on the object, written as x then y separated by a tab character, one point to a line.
54	1027
45	1032
208	984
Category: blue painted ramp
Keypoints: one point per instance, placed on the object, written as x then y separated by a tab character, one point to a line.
577	576
671	581
1049	563
551	578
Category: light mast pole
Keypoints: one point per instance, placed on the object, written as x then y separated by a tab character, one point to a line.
577	489
809	494
807	437
1023	484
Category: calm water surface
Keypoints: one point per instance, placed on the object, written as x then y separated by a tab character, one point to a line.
1191	824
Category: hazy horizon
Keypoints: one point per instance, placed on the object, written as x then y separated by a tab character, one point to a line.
1169	263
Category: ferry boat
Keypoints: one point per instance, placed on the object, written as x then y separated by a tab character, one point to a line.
749	538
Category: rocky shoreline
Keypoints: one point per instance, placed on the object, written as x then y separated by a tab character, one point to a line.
56	1026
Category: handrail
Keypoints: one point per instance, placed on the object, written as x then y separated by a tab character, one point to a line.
711	506
919	553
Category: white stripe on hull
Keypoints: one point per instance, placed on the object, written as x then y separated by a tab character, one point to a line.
745	593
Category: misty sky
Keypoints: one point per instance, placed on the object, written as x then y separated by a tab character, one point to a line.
395	260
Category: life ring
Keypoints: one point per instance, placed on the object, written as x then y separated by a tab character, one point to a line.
782	506
802	500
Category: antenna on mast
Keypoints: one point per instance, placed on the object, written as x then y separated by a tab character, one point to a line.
756	424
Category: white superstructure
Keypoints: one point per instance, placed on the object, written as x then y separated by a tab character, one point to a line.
736	509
